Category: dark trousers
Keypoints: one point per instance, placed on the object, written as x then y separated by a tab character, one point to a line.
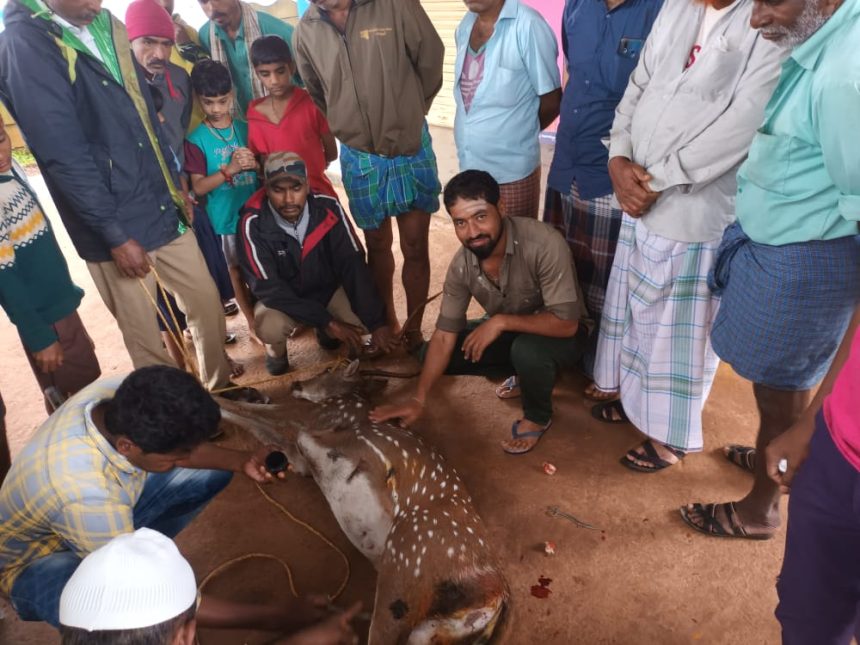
80	366
819	586
535	359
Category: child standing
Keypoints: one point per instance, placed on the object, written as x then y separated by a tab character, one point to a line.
36	290
221	167
287	120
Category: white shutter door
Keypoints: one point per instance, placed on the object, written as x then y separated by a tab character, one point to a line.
446	15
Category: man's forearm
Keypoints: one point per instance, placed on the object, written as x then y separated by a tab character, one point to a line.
442	345
208	456
550	106
544	323
215	613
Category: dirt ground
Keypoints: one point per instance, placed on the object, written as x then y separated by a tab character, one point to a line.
643	577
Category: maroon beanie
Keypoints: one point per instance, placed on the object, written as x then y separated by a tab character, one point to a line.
148	18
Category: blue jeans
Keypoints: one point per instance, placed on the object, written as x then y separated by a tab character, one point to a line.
168	503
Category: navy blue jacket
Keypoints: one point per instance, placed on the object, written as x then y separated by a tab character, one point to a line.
88	140
300	280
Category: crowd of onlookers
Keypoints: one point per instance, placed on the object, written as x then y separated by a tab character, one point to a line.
701	205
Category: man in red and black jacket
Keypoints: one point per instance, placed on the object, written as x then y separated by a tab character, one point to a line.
304	265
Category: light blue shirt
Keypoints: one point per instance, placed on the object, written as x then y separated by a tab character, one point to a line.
500	132
801	181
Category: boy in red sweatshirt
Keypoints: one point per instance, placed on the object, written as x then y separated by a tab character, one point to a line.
287	120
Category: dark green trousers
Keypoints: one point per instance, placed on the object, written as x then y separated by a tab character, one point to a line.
535	359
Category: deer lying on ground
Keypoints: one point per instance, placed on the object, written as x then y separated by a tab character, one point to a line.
406	510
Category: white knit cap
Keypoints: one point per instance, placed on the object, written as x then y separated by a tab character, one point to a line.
136	580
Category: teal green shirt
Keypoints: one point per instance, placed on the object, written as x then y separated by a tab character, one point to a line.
237	52
801	181
214	147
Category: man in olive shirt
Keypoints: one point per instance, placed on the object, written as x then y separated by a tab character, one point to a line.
520	271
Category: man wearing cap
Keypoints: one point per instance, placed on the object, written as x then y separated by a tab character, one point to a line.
151	34
139	588
304	265
123	453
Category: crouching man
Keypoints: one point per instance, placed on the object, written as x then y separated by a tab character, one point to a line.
520	271
122	454
138	590
305	266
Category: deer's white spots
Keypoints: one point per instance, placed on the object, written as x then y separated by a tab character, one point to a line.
455	487
463	548
418	561
480	541
453	523
405	455
423	549
419	537
432	497
424	491
469	529
450	552
445	513
421	474
358	404
406	563
435	521
417	572
433	475
443	484
414	548
456	534
430	533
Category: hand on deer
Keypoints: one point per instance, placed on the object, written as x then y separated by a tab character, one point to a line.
348	334
255	466
408	412
383	338
484	335
335	630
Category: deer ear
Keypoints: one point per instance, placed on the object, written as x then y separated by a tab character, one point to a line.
351	369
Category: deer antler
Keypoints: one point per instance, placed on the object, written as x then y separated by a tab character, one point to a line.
399	338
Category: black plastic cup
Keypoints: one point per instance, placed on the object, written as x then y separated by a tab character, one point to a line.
276	462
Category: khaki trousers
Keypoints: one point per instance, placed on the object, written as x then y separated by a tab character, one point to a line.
273	327
183	273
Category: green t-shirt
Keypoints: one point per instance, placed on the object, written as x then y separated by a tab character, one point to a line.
210	149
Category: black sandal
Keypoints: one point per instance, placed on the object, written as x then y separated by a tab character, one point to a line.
741	456
603	412
651	456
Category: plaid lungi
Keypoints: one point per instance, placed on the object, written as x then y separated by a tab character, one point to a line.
784	308
654	345
591	228
380	187
522	197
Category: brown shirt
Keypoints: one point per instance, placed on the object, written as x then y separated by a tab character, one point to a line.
537	275
376	81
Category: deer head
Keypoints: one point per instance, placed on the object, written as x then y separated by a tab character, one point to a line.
339	381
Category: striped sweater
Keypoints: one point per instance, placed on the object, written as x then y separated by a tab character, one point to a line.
36	289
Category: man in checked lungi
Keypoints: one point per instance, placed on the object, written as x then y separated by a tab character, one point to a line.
788	272
601	43
682	129
373	67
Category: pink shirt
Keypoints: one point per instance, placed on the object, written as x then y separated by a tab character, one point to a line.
842	407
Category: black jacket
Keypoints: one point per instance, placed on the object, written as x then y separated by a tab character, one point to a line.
300	280
88	140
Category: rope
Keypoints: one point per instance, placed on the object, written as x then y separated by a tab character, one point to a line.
174	333
268	556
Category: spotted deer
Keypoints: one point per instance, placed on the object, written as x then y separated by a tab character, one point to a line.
406	509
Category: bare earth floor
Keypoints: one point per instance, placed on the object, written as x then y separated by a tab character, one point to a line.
643	577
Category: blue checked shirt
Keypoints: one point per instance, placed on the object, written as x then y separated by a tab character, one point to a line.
601	48
500	131
68	490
